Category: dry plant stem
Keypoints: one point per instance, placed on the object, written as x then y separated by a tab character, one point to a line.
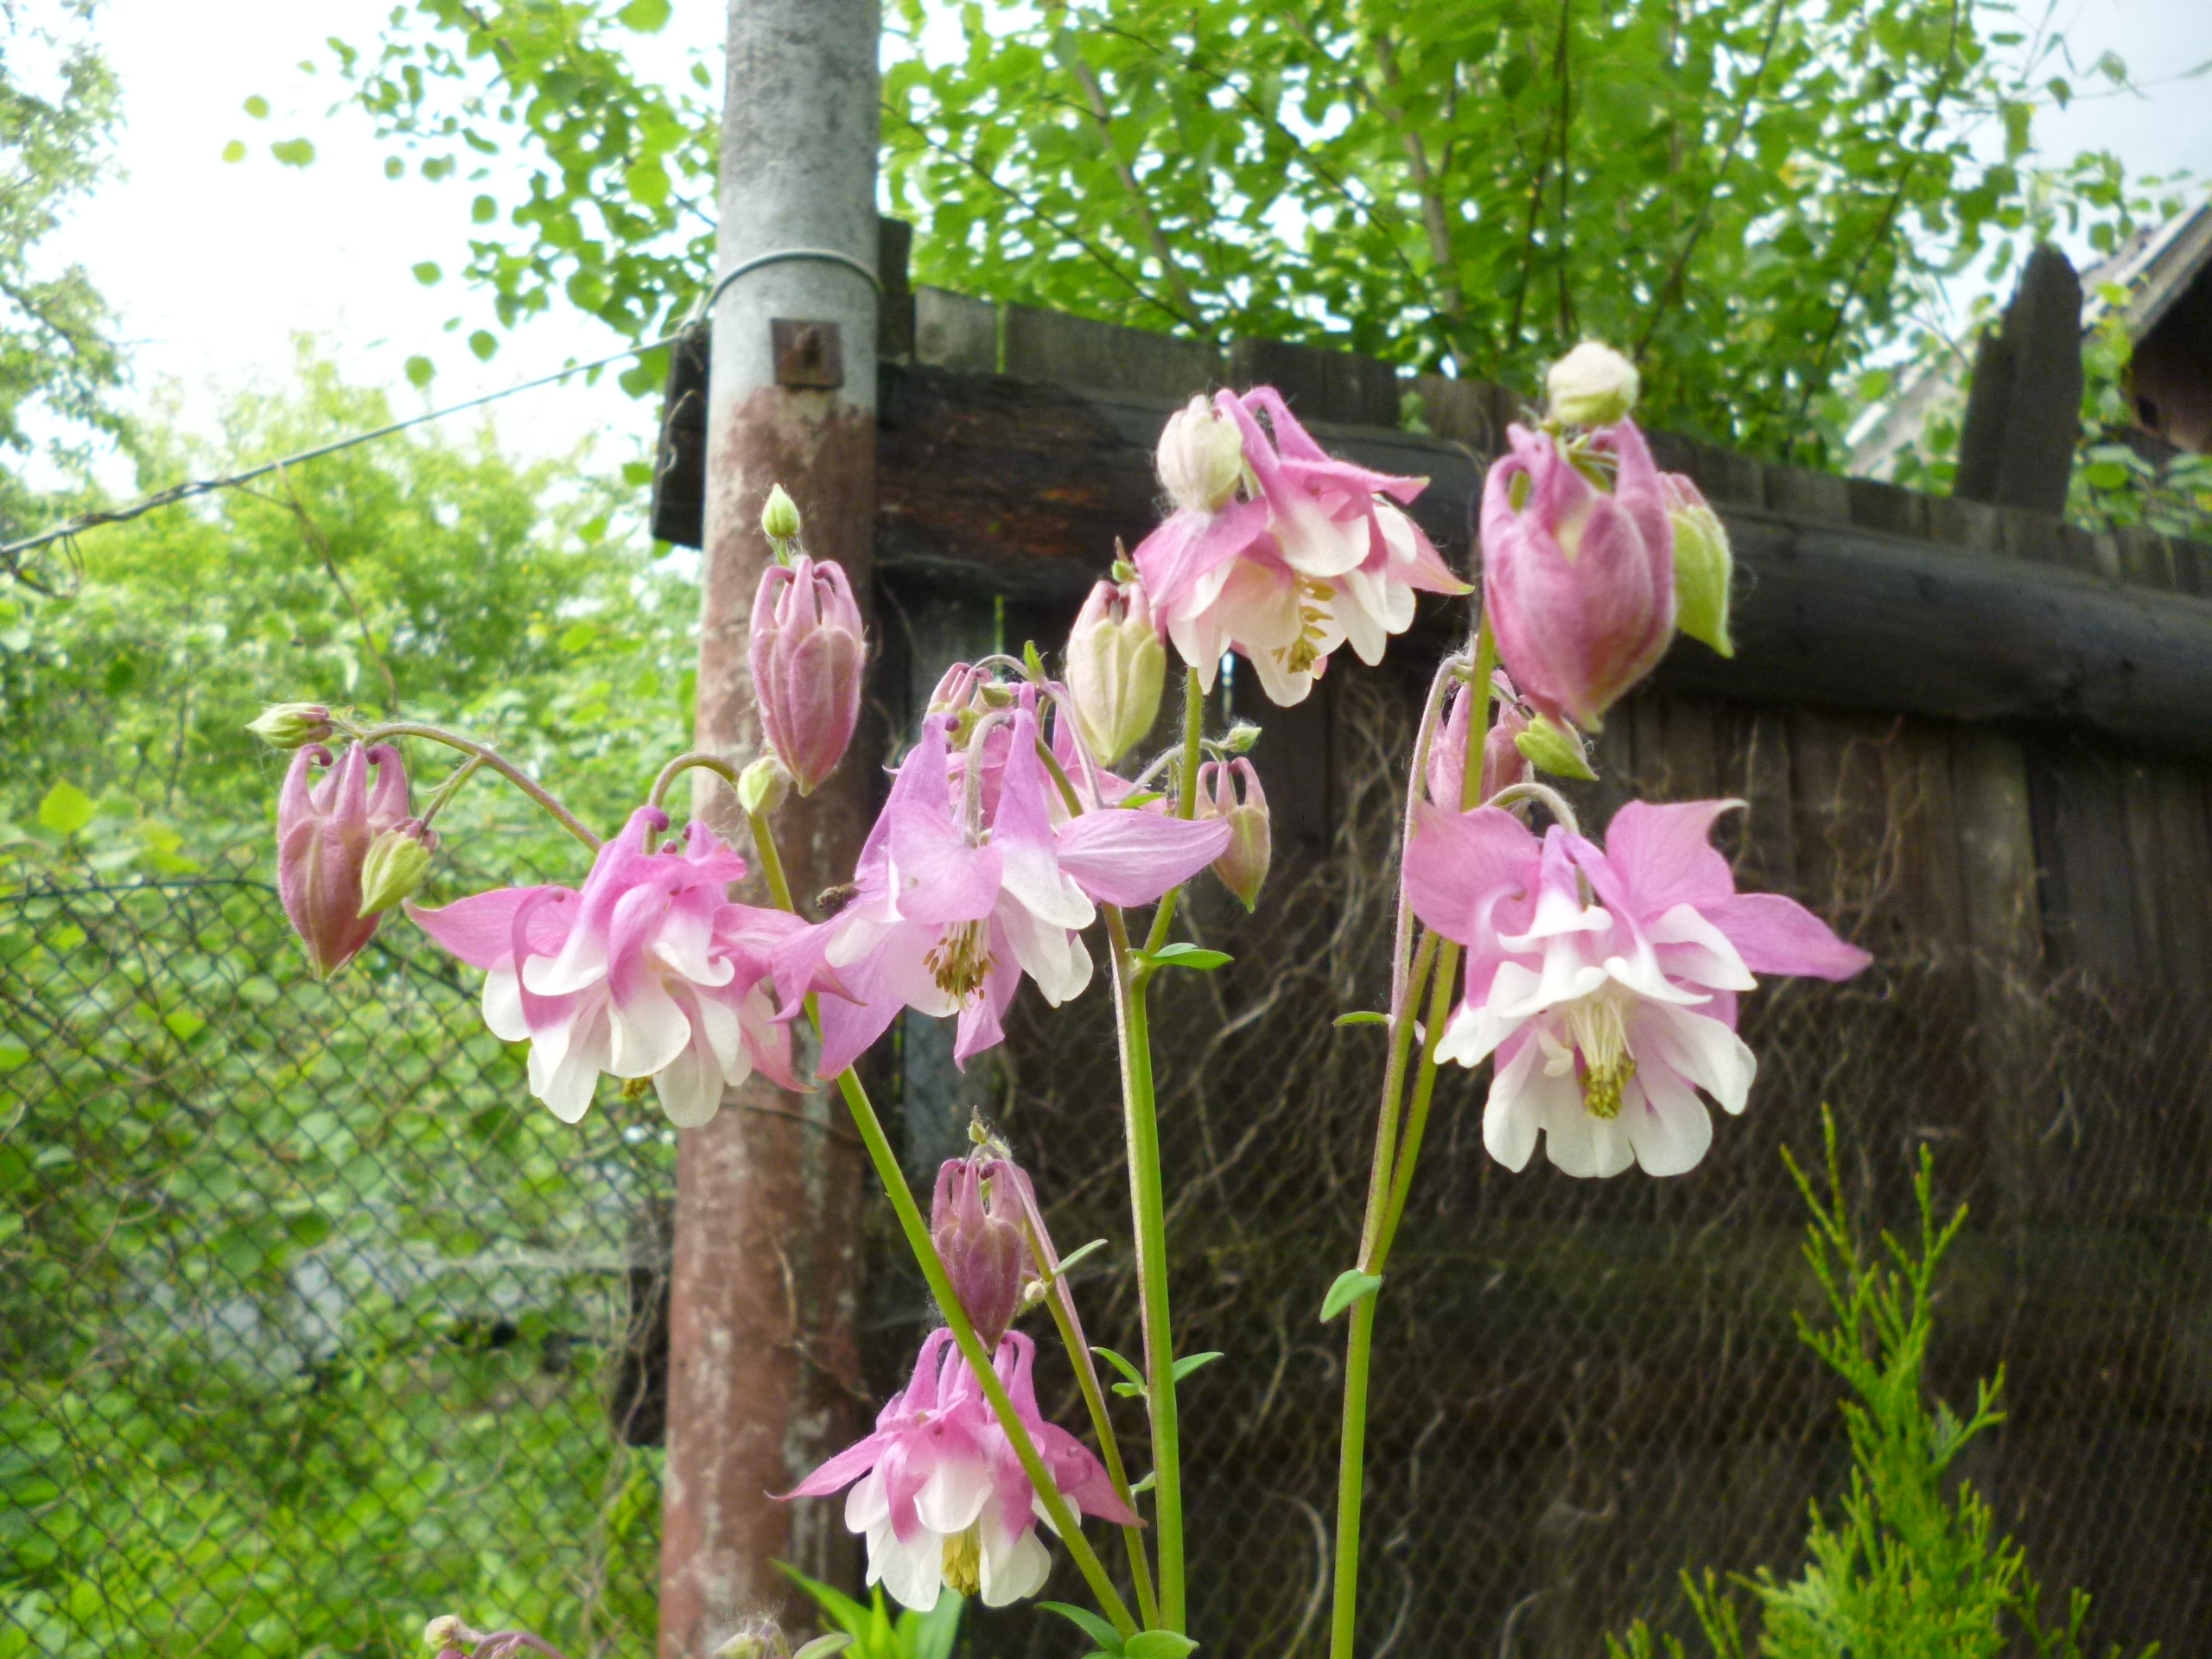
497	762
1148	1205
683	763
1392	1176
1061	1299
910	1222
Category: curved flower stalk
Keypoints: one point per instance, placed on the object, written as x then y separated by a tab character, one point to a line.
648	972
1605	979
938	1493
955	901
1285	557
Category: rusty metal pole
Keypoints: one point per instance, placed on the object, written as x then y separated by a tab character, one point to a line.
763	1373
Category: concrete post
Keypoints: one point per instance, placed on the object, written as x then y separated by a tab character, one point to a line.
764	1377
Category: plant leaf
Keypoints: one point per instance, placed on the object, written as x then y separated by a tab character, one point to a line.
1157	1644
840	1606
1191	1363
1075	1256
1120	1365
822	1646
1364	1017
1108	1638
66	809
1182	955
1351	1285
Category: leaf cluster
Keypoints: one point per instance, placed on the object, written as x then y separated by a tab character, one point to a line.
874	1633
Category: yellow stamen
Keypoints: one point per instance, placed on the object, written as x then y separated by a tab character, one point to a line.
964	1561
1602	1041
960	961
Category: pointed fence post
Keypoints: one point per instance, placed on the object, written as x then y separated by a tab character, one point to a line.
763	1369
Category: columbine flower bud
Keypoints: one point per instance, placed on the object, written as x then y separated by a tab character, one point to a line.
808	657
1201	457
981	1244
445	1633
779	520
1243	737
324	833
1591	385
1242	866
762	787
1704	564
398	859
1579	582
287	725
1116	669
1447	750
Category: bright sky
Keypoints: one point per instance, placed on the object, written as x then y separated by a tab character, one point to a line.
214	267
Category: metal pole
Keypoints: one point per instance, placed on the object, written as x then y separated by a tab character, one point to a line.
763	1371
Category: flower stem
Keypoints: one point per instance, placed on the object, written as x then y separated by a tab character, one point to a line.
1187	796
1061	1300
1390	1179
683	763
1064	1520
1148	1205
490	757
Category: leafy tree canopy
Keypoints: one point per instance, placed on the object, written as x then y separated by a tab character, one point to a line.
1756	196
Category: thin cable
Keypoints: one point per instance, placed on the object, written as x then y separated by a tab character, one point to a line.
199	486
747	267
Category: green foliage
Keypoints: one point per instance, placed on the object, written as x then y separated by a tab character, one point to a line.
2117	481
424	572
875	1634
1907	1564
57	111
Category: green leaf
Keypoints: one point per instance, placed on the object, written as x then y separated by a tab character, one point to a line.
822	1646
1364	1017
420	370
1150	1480
483	210
484	343
14	1052
1189	1363
66	809
234	151
1351	1285
1108	1638
292	152
1157	1644
1181	955
258	107
1075	1256
183	1024
1032	660
647	17
428	272
836	1603
1119	1365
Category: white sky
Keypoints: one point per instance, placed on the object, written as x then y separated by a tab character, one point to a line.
213	267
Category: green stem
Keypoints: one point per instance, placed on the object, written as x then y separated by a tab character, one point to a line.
683	763
1110	1446
1148	1203
490	757
1064	1520
1186	795
1390	1180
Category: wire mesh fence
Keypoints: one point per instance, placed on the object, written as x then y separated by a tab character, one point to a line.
315	1325
310	1330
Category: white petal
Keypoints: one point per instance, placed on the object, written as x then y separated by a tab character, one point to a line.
1701	1048
650	1030
582	962
1052	956
1031	875
503	1003
868	1504
1516	993
1511	1115
1702	953
914	1572
1474	1033
1009	1572
691	1087
954	1494
1580	1145
1665	1121
571	1077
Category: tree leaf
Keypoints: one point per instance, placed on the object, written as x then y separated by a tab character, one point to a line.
66	809
292	152
1351	1285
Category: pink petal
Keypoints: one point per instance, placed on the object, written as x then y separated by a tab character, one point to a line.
848	1465
1462	865
479	928
1665	857
1130	858
1775	934
938	876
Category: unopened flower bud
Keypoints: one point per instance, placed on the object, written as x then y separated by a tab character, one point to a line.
444	1633
1591	385
982	1245
398	859
1704	563
779	520
287	725
1447	750
1242	737
1201	457
1242	865
762	787
1116	669
1552	747
808	657
324	833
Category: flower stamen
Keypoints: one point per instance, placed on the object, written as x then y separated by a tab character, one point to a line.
960	959
964	1561
1601	1041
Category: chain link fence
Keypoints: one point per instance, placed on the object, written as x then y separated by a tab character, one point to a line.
315	1325
311	1320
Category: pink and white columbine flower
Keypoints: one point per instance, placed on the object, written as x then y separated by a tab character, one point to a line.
649	972
1606	979
941	1497
1303	554
954	904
